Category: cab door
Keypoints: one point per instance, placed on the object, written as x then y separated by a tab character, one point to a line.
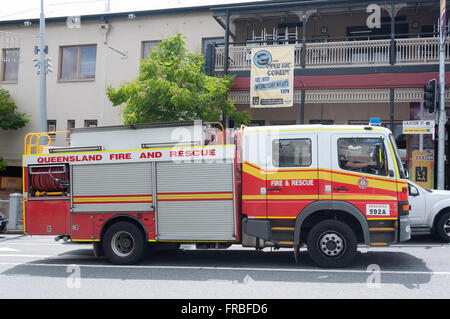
292	174
363	174
254	192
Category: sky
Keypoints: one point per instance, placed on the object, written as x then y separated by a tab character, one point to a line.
30	9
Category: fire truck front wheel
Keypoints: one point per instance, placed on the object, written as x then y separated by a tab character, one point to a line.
124	243
332	244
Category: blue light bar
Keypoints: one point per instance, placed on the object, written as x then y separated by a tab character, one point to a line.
375	121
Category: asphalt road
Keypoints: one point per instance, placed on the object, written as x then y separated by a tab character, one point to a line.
38	267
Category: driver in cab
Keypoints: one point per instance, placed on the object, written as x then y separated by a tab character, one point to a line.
345	163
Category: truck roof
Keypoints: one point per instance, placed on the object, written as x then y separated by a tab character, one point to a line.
316	127
135	126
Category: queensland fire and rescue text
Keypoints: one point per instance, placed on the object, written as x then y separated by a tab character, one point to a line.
328	187
124	156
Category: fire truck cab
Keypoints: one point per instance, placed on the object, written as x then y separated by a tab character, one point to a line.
329	187
128	188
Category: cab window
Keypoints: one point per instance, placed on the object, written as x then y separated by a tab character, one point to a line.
365	155
291	152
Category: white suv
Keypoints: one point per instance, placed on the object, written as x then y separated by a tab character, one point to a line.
430	211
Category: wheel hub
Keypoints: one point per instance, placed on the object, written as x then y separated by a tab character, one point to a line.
122	243
331	244
447	227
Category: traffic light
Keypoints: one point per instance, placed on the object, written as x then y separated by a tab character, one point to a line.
430	96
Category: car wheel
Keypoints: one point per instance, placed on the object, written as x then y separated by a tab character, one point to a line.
124	243
443	227
332	244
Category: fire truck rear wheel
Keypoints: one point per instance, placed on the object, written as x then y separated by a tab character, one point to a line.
124	243
332	244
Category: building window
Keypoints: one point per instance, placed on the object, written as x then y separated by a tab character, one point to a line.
51	127
147	46
291	152
70	125
90	123
257	123
10	65
323	122
287	122
78	62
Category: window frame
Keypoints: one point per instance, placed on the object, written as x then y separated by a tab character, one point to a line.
386	158
52	122
157	42
69	122
3	67
91	120
276	162
77	78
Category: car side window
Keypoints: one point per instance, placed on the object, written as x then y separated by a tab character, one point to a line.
291	152
366	155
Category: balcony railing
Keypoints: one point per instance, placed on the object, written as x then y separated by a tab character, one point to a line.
351	53
420	50
359	53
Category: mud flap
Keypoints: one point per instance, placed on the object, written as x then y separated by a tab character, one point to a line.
296	252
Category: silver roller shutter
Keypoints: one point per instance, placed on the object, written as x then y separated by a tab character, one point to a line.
112	187
201	218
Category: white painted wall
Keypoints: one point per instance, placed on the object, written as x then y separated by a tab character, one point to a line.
85	100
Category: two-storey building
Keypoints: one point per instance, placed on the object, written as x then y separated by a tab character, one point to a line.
346	71
354	60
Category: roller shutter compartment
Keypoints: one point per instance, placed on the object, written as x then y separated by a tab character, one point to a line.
112	187
195	201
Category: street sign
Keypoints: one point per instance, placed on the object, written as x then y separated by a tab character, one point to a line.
418	127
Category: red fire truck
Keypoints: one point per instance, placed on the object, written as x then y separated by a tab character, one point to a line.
125	188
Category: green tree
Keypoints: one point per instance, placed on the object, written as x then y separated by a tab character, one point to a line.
10	118
173	87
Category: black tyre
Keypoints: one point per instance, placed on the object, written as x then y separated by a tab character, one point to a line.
124	243
442	229
98	249
332	244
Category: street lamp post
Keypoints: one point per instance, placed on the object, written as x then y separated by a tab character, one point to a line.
442	113
42	73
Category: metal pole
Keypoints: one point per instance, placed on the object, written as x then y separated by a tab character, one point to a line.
392	106
227	41
393	13
226	53
42	74
303	53
442	114
302	107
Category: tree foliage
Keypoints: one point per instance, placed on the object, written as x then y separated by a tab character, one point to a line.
173	87
10	118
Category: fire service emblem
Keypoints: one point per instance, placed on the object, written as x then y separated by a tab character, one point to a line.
363	183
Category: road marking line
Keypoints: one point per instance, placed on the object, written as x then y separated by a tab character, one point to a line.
50	256
393	272
26	256
27	244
